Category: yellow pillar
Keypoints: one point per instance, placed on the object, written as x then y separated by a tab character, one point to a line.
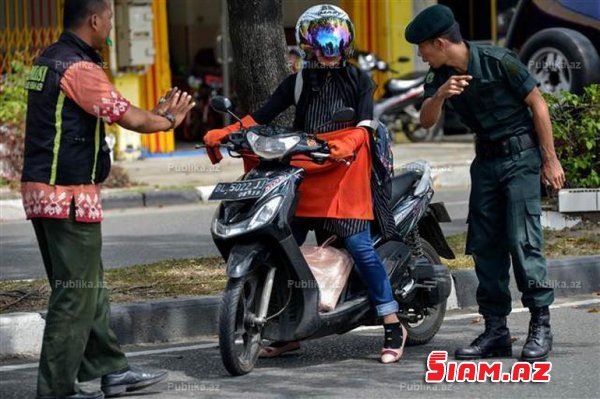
157	80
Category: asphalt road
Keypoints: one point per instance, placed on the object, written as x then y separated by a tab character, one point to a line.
346	366
146	235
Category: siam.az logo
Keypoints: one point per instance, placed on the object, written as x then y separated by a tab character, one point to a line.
440	370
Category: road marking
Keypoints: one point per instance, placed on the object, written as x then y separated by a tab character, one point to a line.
129	354
365	328
472	315
456	203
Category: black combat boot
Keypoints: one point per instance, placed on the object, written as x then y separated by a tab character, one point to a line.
539	340
494	342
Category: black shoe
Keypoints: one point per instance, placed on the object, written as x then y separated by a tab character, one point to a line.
78	395
129	380
539	340
494	342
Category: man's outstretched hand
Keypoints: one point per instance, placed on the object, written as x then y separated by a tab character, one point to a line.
175	102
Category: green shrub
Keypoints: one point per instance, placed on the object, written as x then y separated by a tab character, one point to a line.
13	107
576	128
13	96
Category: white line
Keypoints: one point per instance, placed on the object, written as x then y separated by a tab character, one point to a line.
129	354
456	203
522	310
472	315
365	328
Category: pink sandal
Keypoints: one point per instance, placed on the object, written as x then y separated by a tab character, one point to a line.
391	355
274	351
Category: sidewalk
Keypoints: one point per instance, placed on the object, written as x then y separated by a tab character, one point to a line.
450	162
171	180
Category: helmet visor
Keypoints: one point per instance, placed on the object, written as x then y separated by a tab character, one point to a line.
329	36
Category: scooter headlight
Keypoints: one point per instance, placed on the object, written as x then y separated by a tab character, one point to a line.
262	216
271	147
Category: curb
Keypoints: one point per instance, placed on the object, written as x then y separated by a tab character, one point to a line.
568	276
13	209
177	319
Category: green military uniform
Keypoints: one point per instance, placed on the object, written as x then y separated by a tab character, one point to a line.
504	206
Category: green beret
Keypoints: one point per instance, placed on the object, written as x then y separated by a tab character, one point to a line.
432	22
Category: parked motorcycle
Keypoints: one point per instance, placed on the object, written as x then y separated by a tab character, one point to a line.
399	108
202	117
271	292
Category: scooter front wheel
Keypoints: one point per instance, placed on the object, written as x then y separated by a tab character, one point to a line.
239	333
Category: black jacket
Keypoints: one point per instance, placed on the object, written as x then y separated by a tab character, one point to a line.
356	86
64	145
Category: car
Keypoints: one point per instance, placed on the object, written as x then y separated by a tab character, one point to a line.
559	41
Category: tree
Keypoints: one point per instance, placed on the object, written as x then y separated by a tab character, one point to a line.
259	51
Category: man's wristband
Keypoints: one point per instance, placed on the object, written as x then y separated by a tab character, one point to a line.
171	118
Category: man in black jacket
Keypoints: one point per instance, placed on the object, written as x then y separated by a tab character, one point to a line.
66	158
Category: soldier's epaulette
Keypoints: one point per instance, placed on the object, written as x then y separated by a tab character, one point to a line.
497	53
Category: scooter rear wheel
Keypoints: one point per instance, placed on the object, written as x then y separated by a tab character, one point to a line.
239	337
422	332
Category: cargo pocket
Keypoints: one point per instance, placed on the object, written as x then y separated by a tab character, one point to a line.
533	224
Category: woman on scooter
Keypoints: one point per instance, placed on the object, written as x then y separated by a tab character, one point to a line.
325	34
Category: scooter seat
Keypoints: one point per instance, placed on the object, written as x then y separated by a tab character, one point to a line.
401	185
400	85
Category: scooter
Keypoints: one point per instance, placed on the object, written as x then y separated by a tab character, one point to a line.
271	292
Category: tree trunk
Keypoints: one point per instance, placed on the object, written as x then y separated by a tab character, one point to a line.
259	52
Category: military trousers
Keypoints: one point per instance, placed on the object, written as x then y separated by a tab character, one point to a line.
78	342
504	226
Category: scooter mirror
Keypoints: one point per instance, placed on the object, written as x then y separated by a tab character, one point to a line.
344	115
221	104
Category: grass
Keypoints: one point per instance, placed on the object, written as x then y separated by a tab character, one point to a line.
205	276
172	278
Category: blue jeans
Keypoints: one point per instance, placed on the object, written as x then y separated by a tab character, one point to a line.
370	268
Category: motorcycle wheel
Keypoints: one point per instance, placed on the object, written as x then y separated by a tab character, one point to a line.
239	337
420	134
422	332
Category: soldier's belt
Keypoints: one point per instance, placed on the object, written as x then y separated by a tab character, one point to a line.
506	147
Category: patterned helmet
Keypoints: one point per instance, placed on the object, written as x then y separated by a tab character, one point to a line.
326	29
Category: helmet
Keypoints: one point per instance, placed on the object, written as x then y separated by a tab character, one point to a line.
325	28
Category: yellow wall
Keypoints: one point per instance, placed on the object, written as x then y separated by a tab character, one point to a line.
379	26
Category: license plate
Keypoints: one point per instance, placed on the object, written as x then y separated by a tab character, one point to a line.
239	190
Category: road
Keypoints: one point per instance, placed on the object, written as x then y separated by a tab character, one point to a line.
146	235
346	366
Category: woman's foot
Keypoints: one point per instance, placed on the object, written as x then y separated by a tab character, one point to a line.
279	348
393	346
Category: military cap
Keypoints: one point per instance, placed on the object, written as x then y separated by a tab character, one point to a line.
432	22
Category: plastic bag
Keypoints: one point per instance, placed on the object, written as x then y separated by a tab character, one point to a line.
331	268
